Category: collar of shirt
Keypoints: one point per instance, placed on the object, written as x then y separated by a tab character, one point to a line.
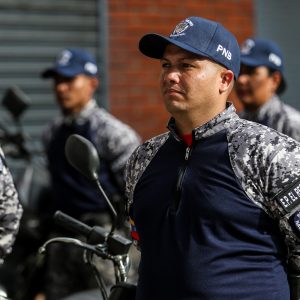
81	116
260	114
210	128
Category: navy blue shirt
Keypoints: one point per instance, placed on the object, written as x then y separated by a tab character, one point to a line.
114	142
205	215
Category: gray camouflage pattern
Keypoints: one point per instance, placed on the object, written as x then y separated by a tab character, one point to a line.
10	210
264	161
277	115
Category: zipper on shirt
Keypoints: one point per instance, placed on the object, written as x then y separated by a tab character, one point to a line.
187	153
181	174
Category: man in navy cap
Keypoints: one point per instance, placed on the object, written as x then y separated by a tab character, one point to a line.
75	76
214	203
259	85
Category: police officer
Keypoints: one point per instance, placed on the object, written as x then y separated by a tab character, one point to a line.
259	85
75	80
214	203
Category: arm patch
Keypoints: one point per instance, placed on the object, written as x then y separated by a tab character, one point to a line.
290	197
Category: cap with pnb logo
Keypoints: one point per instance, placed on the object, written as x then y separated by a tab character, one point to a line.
72	62
261	52
200	36
257	52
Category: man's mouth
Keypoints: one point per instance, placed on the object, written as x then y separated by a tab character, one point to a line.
172	91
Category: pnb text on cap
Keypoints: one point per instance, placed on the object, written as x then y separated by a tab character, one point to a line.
200	36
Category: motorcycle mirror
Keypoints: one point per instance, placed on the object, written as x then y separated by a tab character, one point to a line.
83	156
16	101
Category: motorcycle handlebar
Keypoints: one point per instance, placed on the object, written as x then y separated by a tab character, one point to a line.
72	224
116	244
95	234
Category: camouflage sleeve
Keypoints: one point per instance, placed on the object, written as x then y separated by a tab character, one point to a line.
267	164
115	142
282	186
10	210
129	175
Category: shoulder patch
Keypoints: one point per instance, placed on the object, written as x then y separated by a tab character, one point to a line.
290	197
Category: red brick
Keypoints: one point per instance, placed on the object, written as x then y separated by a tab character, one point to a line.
134	79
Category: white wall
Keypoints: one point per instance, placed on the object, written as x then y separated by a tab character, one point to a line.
280	21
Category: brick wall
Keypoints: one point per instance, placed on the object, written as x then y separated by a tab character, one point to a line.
134	92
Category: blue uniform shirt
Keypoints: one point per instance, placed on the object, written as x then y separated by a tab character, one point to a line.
114	141
207	218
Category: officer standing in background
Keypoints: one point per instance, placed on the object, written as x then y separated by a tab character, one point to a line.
259	85
75	80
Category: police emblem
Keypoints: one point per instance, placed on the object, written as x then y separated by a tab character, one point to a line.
181	27
247	46
64	57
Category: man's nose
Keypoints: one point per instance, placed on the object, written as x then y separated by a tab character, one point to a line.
61	86
172	75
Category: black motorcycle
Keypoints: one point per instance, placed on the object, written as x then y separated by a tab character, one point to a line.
105	244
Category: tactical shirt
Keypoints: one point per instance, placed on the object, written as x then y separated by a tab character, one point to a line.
114	142
216	220
277	115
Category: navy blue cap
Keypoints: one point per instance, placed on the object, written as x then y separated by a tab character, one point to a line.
200	36
257	52
261	52
72	62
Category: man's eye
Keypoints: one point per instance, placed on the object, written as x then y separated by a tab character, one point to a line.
165	65
247	70
186	66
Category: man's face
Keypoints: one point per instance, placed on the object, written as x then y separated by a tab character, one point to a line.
73	93
188	82
255	86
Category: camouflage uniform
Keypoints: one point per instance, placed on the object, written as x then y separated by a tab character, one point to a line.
114	141
10	209
221	218
277	115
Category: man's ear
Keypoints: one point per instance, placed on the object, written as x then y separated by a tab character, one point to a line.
276	79
227	80
94	83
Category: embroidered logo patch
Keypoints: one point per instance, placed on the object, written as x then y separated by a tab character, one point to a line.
247	46
275	59
91	68
64	57
181	27
290	197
